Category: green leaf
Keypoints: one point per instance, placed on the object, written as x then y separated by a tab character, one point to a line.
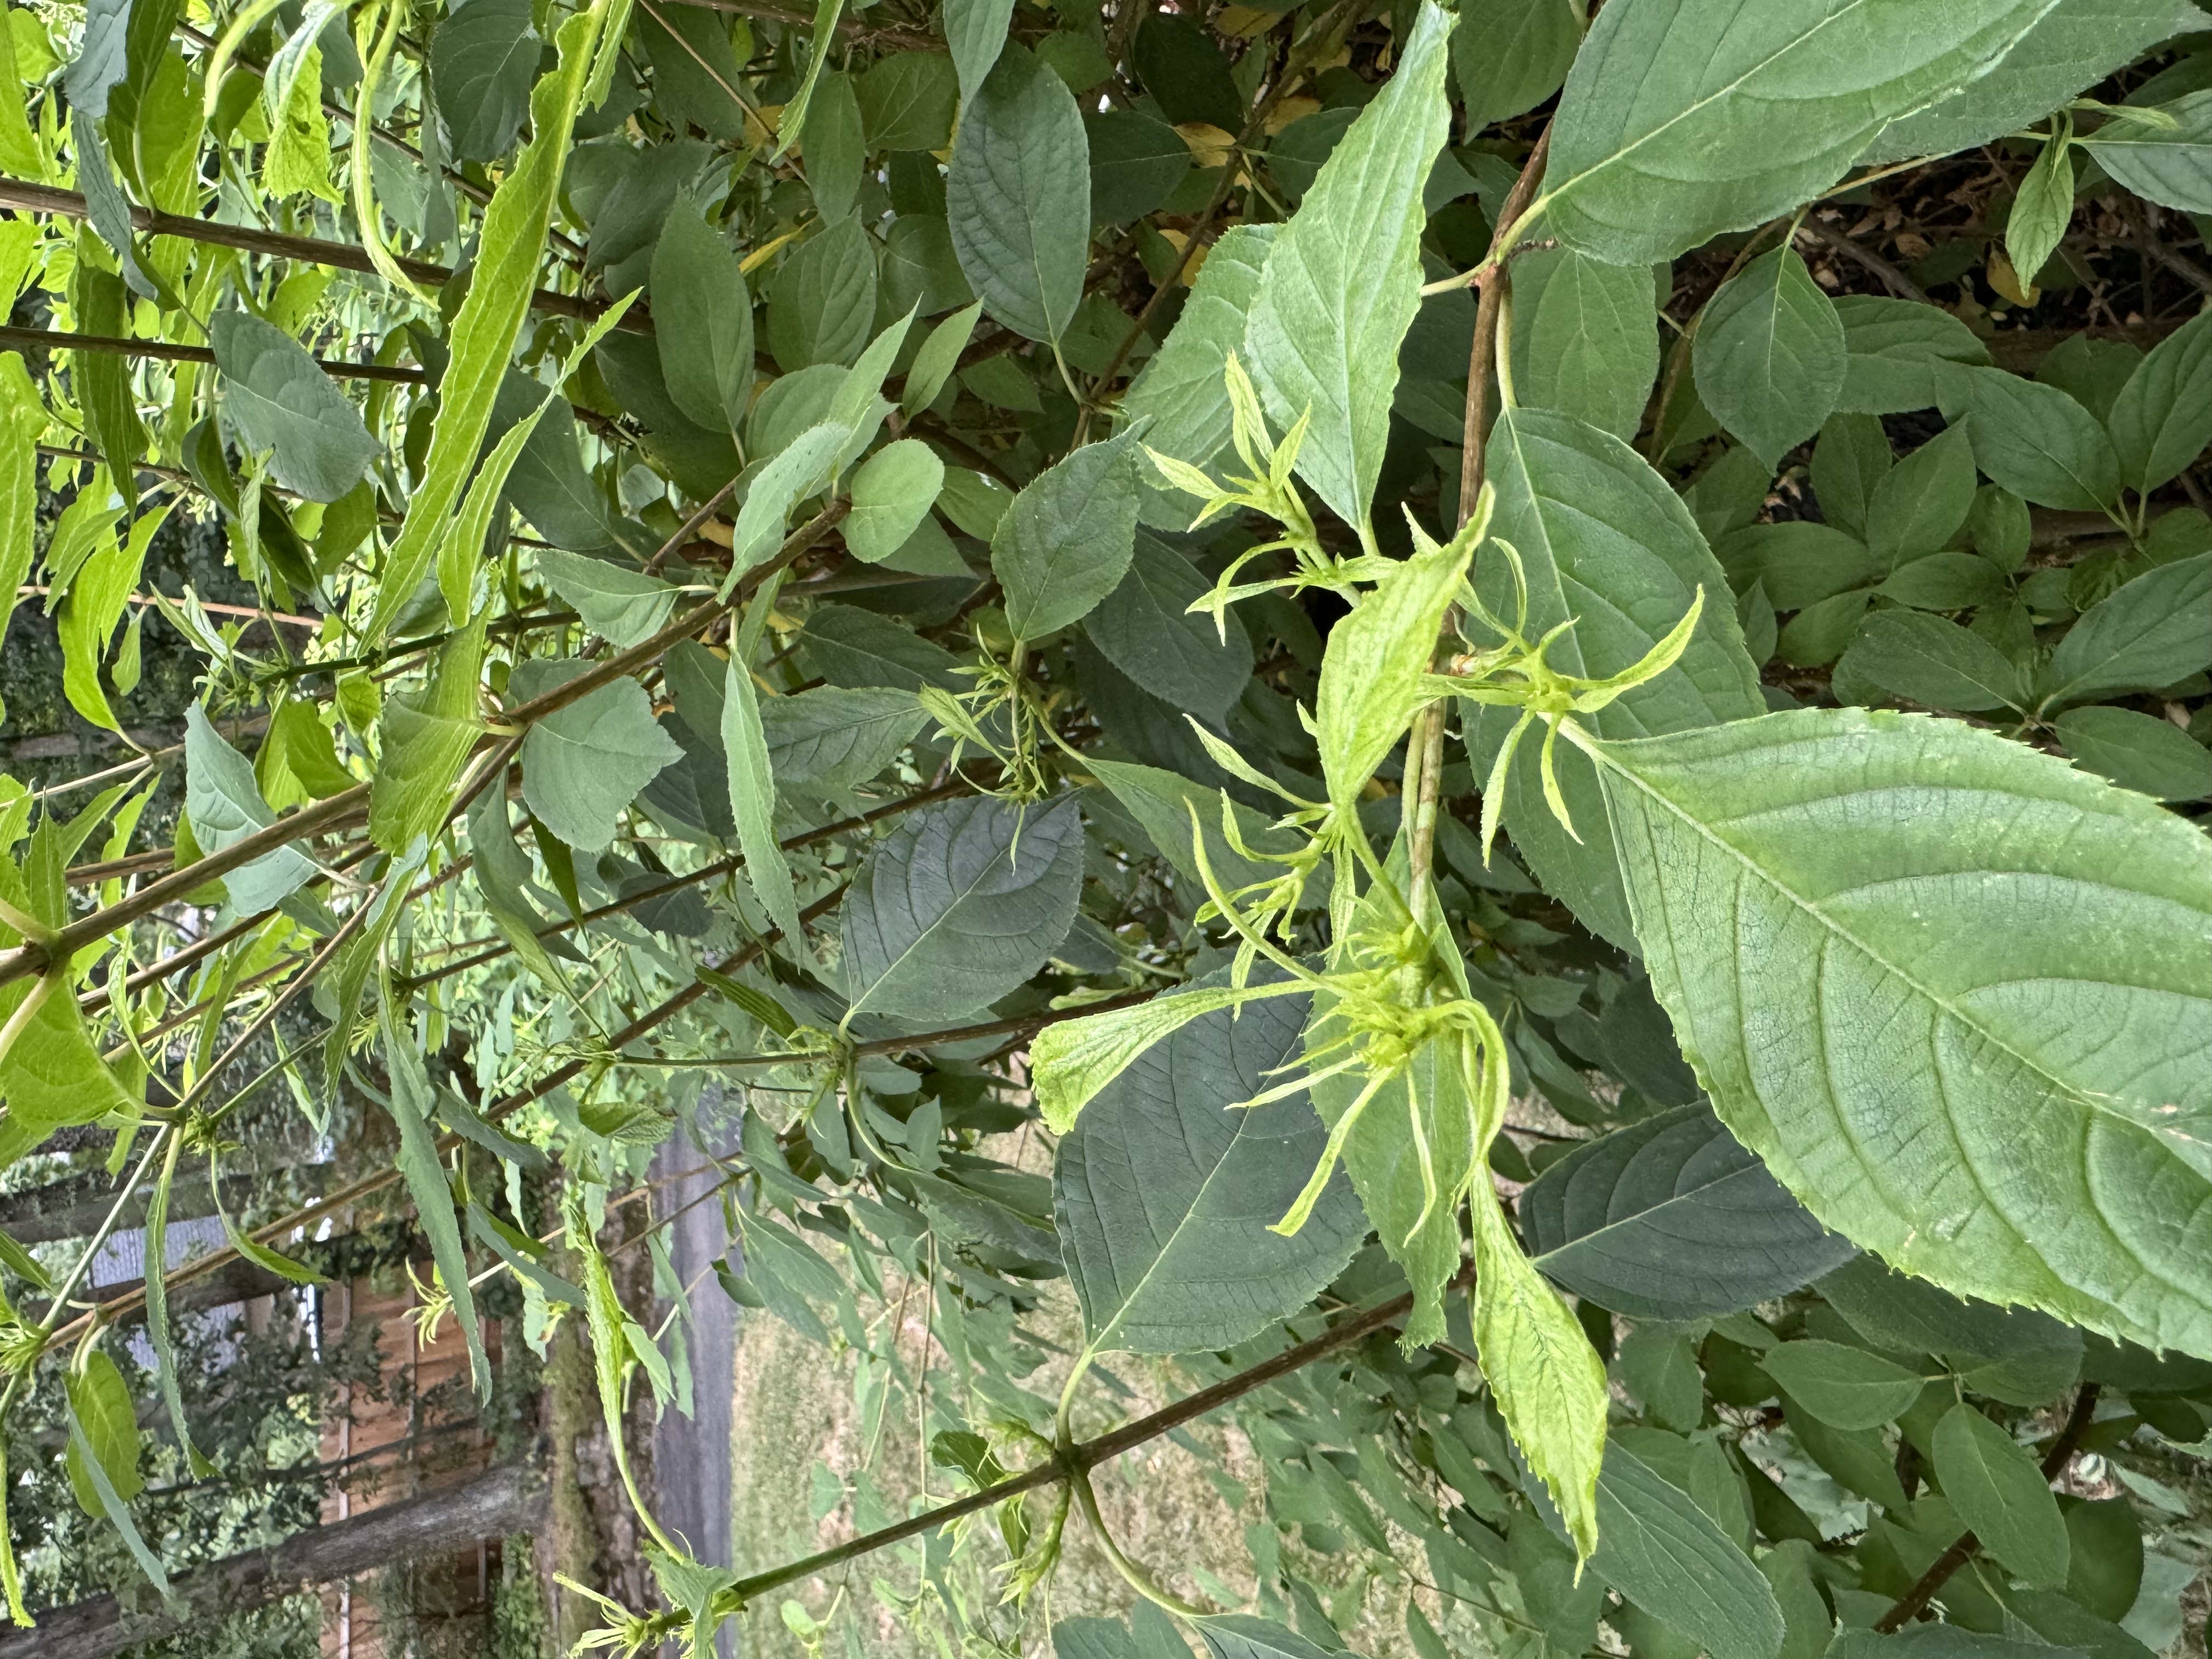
907	101
822	305
1688	117
1846	1387
2041	211
1919	504
2032	438
1856	985
1664	1554
933	363
1672	1219
1371	671
2073	45
1993	1482
2144	634
2162	419
959	904
1585	334
1137	160
1946	581
620	605
1509	56
511	243
1146	629
102	1455
1547	1379
1181	389
1072	1060
835	146
836	737
425	736
752	798
976	30
1065	541
411	1104
2160	162
275	400
1606	543
1018	196
581	765
1167	1191
1928	661
100	62
847	646
1162	802
1770	356
225	807
2142	752
483	60
1893	346
22	423
892	493
702	318
1343	278
2015	1355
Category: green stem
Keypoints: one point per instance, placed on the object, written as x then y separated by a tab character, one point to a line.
1139	1579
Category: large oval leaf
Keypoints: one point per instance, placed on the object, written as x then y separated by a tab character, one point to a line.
1605	542
1017	196
1956	994
1166	1192
1672	1219
959	904
1682	119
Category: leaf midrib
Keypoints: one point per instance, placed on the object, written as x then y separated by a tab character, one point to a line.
961	895
1599	752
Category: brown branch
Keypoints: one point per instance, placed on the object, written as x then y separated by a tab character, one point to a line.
1089	1454
1908	1606
1023	1026
24	196
47	339
1895	280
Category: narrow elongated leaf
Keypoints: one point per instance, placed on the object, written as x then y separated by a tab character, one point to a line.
1343	278
511	243
426	735
1683	118
1769	355
1879	933
1370	673
1604	542
1935	662
411	1103
1994	1484
2137	751
1672	1219
1065	542
959	904
1072	1060
107	1429
1166	1191
1018	196
752	801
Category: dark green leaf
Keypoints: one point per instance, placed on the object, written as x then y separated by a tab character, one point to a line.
959	904
2161	163
1136	161
2146	634
1585	335
1846	1387
2162	419
834	737
1147	629
703	322
1017	196
1994	1484
2141	752
482	59
907	101
276	400
1893	346
1166	1190
1065	541
822	308
2032	438
1511	55
584	763
1672	1219
1664	1554
1919	503
1769	358
1928	661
